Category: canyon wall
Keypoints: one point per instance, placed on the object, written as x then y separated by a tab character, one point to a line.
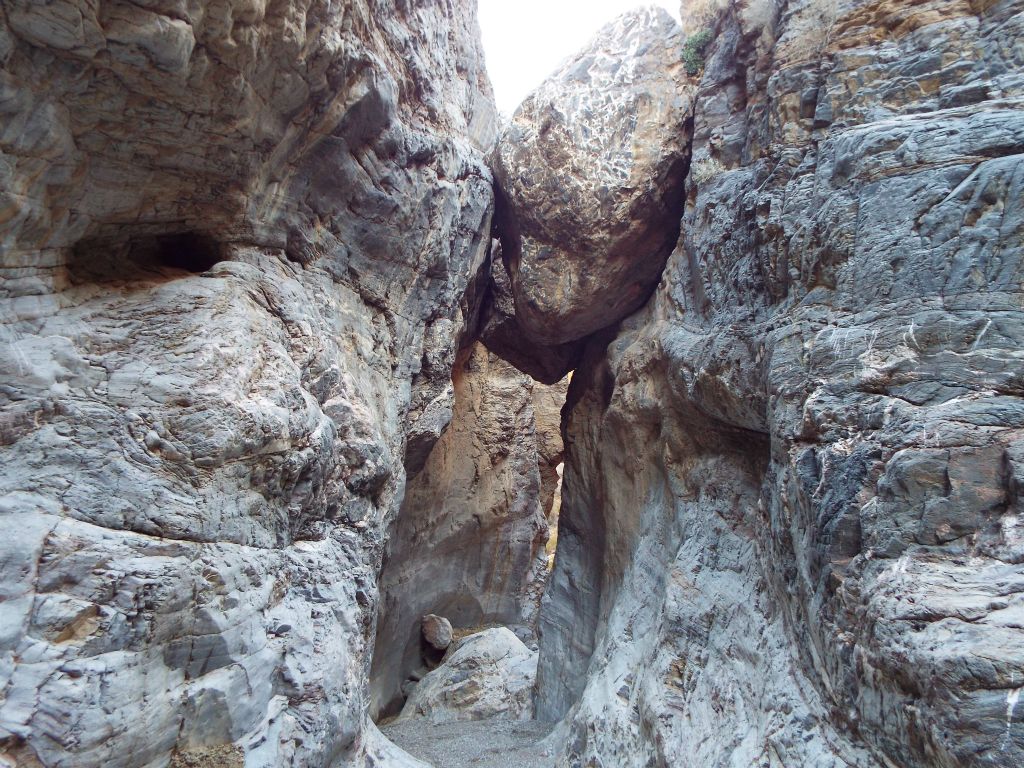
239	243
469	541
245	256
790	518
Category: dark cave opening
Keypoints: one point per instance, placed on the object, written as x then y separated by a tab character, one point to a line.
143	257
188	251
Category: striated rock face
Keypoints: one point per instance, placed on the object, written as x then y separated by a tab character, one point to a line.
486	674
235	240
469	542
590	171
790	521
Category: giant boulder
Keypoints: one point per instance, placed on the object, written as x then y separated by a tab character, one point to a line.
590	172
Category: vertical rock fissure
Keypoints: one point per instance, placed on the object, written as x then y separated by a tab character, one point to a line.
469	542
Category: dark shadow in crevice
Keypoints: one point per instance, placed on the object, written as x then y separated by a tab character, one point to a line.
145	257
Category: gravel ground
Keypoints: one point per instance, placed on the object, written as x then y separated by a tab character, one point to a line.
476	744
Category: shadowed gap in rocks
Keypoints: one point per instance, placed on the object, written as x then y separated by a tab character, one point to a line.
163	256
470	543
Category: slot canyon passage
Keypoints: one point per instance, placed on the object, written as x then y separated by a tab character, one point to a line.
310	357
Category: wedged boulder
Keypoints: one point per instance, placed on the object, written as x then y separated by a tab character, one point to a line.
590	172
487	674
501	332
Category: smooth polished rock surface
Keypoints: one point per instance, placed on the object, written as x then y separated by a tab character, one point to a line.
235	241
437	631
790	531
590	171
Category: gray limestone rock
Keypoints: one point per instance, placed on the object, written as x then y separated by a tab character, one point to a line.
488	674
235	242
242	244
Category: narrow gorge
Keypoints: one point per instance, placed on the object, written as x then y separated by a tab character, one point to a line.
675	420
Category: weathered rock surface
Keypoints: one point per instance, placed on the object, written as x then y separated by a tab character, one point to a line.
591	175
790	522
488	674
234	237
241	244
547	414
469	541
501	332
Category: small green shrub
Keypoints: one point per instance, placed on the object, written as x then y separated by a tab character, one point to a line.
693	51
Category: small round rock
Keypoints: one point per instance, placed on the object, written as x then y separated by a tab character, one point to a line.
437	631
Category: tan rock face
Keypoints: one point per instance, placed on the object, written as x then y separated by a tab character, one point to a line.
547	410
235	238
591	175
469	541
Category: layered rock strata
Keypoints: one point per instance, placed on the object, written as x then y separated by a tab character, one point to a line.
789	532
236	239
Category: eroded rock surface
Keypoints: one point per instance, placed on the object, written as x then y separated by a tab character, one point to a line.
235	240
469	542
241	245
487	674
547	413
501	332
790	522
591	170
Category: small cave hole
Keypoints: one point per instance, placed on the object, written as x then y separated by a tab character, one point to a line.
187	251
143	257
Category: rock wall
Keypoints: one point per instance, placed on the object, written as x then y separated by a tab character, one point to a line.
548	402
236	239
469	541
241	243
789	530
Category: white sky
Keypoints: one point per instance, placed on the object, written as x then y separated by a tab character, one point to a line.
526	40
